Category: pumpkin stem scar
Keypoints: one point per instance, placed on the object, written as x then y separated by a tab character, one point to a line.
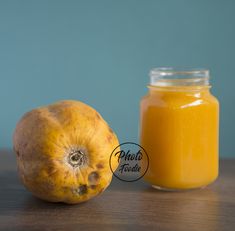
77	158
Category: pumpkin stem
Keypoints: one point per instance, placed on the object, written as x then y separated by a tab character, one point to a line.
77	158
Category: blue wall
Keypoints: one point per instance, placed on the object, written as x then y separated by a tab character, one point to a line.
101	51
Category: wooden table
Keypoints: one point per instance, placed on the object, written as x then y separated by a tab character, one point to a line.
123	206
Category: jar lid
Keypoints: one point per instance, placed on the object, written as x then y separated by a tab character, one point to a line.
168	76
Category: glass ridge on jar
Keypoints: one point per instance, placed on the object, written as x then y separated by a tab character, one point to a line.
179	129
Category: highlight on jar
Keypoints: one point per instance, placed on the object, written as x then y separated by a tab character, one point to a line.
179	129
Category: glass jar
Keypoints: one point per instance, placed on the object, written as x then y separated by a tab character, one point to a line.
179	125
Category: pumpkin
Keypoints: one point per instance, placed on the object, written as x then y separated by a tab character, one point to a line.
63	152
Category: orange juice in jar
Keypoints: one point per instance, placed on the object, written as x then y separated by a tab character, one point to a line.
179	125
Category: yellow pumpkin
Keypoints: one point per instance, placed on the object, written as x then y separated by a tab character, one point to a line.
63	152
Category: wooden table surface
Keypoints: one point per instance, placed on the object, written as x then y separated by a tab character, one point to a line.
123	206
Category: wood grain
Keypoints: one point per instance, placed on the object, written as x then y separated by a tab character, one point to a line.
123	206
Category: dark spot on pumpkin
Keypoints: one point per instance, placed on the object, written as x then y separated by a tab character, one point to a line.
93	186
52	112
82	189
64	189
17	153
100	166
51	170
109	138
49	186
97	115
110	130
93	177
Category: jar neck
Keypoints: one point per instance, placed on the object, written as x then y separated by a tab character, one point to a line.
180	90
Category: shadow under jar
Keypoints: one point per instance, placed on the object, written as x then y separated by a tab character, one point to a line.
179	126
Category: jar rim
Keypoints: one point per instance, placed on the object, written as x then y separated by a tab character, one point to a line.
169	76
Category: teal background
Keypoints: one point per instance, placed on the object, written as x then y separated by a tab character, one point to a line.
101	51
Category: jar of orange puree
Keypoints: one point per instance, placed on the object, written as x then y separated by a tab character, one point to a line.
179	125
